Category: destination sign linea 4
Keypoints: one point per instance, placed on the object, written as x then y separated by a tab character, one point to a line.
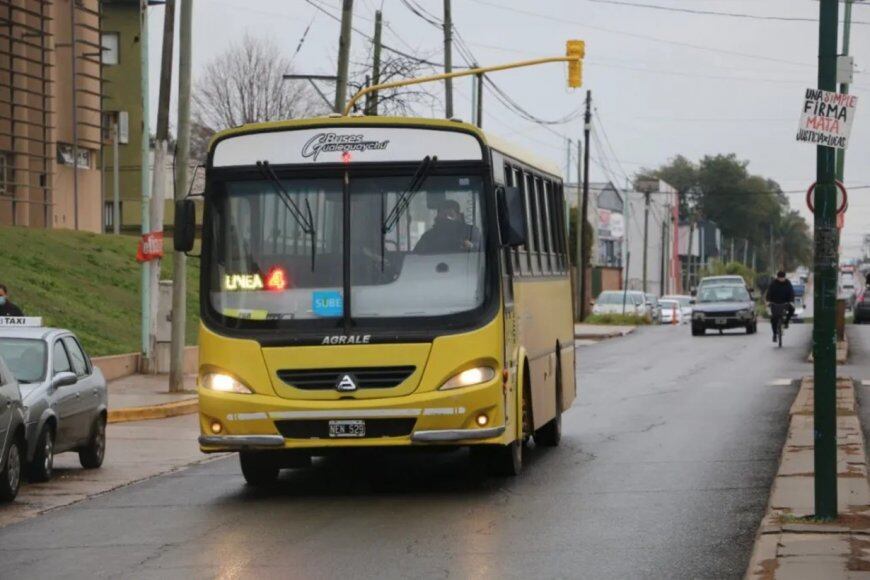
826	118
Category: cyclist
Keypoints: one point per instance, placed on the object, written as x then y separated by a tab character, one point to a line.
780	294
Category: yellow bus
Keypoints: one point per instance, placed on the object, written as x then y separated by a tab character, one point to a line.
379	282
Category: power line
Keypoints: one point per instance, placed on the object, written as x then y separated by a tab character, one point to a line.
562	20
713	12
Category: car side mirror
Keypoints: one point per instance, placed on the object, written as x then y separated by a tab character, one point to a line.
185	225
511	216
64	379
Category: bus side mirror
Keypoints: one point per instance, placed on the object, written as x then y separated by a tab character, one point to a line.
185	225
511	216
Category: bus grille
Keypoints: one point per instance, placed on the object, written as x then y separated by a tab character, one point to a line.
319	428
328	379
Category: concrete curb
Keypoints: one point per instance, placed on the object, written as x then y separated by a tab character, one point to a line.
842	352
789	543
603	336
161	411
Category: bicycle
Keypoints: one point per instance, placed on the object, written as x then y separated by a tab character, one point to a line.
777	312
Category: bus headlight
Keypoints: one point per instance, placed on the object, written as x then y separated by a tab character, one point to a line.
468	378
698	315
223	383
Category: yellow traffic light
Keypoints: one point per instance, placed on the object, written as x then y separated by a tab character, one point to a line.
576	50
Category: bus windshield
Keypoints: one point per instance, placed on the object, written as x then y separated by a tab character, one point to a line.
278	248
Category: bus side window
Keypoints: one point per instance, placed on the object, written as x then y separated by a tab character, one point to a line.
511	181
557	223
546	236
535	227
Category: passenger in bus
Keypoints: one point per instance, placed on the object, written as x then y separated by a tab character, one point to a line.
449	233
7	308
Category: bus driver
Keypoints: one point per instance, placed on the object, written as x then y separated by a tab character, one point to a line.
449	233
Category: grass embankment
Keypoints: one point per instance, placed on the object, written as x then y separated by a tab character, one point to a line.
88	283
618	319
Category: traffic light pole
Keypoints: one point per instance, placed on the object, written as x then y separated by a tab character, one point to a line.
844	87
825	297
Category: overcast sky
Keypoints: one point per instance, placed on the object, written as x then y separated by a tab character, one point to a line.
663	82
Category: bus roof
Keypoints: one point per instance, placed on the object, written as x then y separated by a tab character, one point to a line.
497	143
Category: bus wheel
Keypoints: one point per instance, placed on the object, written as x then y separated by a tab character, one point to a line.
550	434
258	468
505	460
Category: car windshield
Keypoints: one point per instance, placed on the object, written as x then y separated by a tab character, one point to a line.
669	304
25	358
729	293
683	300
414	252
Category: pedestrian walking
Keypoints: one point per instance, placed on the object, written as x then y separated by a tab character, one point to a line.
7	308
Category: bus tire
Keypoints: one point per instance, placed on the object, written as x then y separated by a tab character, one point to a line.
258	468
505	460
550	434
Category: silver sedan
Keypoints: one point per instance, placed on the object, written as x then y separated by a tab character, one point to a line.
64	396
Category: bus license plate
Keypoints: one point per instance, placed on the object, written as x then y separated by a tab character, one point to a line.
722	321
349	428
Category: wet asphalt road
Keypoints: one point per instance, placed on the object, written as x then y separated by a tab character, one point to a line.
664	471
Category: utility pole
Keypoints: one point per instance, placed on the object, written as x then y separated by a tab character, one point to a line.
161	146
372	99
144	162
448	60
772	265
745	251
581	224
568	163
824	328
645	236
732	250
182	157
116	182
584	206
844	86
689	251
343	54
479	100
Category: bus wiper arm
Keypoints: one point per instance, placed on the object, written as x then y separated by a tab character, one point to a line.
306	222
423	171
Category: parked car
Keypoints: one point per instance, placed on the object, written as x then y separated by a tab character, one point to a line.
685	304
619	301
64	397
12	434
846	289
861	313
723	307
672	313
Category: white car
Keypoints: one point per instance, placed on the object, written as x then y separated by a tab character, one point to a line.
685	302
619	301
671	312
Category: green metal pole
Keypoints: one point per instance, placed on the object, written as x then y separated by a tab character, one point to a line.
146	179
844	87
824	331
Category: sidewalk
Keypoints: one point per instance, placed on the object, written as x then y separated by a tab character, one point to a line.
584	331
792	545
134	451
139	397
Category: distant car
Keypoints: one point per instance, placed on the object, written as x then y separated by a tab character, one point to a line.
846	288
685	304
619	301
672	313
12	435
723	307
64	396
799	309
861	313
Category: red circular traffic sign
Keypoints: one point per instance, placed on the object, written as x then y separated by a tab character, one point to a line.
843	203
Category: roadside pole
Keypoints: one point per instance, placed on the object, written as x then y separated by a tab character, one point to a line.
824	331
448	60
581	225
144	161
343	54
116	182
158	187
844	86
584	206
646	196
372	108
182	158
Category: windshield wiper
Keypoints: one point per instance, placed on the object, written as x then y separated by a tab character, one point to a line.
306	222
423	170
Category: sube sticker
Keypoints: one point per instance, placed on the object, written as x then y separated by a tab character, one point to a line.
327	303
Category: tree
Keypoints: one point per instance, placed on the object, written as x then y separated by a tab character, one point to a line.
680	173
394	67
245	84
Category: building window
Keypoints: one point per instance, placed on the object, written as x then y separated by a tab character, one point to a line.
6	173
65	156
110	48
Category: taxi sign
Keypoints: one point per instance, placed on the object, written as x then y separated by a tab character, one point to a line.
25	321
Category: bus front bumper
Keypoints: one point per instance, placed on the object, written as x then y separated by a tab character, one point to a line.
261	422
